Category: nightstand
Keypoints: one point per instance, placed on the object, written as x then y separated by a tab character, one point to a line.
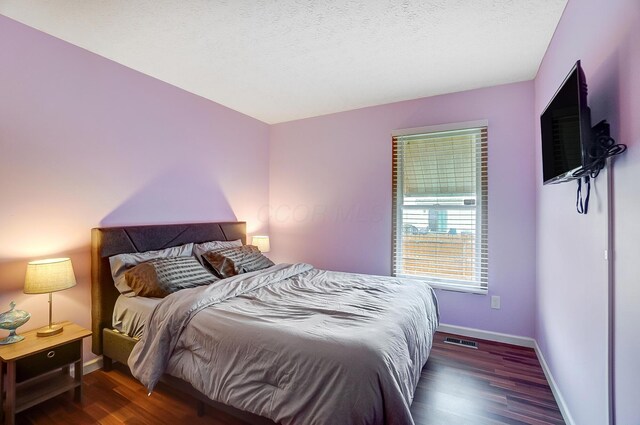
37	369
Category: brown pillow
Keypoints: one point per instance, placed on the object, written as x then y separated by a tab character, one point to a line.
163	276
143	279
229	262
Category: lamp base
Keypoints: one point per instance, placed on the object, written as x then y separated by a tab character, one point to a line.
50	330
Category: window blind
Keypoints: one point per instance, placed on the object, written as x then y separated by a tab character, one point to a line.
440	204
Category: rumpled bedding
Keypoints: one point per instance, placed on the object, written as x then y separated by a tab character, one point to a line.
296	344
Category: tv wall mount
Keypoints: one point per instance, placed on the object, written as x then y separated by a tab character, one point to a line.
603	146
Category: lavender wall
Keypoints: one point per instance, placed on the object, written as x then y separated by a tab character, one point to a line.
331	195
571	270
86	142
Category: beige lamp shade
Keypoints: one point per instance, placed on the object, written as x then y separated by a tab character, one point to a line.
46	276
262	242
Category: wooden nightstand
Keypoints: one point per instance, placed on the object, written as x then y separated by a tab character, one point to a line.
37	369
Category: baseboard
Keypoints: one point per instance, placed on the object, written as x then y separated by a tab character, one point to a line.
88	366
92	365
562	405
521	341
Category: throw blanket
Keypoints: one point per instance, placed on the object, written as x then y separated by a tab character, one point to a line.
296	344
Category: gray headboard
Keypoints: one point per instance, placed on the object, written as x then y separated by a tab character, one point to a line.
108	241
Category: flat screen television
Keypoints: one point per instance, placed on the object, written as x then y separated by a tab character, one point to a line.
566	130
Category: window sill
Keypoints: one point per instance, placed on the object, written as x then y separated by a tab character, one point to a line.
435	284
450	288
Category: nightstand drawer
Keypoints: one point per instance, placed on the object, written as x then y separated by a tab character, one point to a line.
45	361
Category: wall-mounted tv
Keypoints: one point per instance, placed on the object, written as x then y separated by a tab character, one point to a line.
566	130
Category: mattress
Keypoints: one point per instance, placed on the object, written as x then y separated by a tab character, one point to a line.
131	313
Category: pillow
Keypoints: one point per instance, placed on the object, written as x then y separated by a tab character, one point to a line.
122	262
163	276
229	262
201	248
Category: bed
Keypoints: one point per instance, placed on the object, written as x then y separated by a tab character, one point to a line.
288	344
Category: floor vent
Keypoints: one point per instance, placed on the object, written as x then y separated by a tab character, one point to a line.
461	342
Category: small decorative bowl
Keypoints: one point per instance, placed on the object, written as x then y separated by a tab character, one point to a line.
12	320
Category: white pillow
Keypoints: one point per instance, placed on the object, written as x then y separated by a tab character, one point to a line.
122	262
201	248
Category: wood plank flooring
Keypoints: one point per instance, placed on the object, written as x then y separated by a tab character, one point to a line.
495	384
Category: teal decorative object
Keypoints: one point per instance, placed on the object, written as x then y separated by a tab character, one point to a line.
12	320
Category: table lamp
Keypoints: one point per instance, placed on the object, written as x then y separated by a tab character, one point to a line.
262	242
47	276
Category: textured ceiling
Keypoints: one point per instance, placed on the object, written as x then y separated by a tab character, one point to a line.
279	60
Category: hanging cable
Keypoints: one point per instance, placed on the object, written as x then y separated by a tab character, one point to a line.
582	205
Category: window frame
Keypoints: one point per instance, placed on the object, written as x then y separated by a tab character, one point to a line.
481	209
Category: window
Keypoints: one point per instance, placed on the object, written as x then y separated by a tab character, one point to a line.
440	205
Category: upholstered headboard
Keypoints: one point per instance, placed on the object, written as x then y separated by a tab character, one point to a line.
109	241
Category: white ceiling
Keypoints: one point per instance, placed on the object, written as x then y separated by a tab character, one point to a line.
280	60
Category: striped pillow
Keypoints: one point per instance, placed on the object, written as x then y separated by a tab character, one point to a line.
163	276
201	248
227	262
122	262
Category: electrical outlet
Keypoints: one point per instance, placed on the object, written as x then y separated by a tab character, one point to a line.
495	302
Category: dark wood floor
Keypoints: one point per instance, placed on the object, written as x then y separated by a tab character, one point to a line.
496	384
